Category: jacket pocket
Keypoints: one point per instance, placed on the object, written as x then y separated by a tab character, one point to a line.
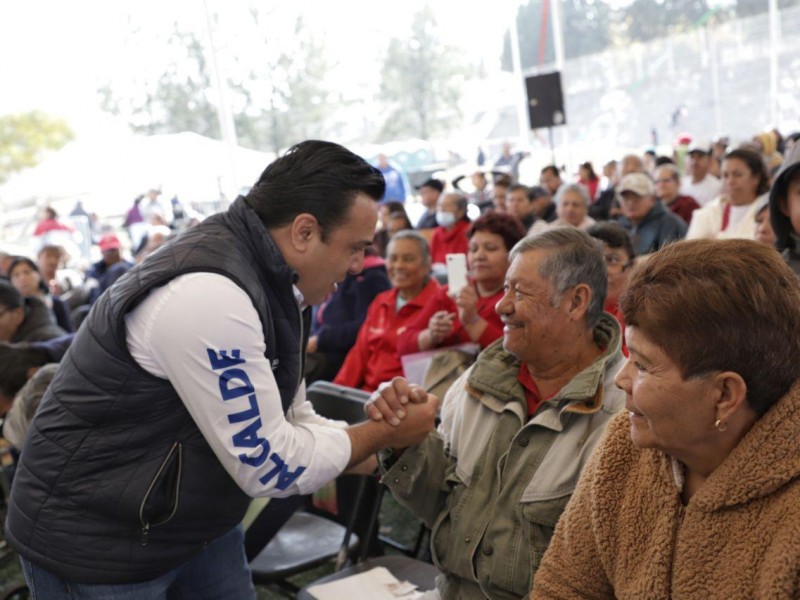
541	519
160	502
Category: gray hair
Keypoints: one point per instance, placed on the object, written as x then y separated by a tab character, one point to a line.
461	200
578	189
673	171
575	258
410	234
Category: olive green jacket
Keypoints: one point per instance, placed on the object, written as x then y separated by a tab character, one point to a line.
491	483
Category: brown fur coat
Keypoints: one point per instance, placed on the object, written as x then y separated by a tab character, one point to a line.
625	533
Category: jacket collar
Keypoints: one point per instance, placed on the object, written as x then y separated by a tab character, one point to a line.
493	379
253	234
766	459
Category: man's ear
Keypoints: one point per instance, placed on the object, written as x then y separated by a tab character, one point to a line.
579	299
304	229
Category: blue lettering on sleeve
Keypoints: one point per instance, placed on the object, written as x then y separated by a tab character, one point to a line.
235	383
222	360
235	375
285	477
249	438
246	415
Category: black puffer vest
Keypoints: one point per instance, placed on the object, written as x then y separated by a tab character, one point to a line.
116	483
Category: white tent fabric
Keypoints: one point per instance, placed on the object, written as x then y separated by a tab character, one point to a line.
106	174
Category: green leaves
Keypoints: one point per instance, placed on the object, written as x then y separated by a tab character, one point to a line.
25	137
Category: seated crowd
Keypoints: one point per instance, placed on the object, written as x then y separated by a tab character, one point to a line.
590	446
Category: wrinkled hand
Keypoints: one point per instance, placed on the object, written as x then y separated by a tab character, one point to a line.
467	303
391	401
419	422
440	326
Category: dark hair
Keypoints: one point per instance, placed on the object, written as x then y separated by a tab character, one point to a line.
537	191
401	214
573	258
552	169
588	166
9	296
23	260
518	186
664	160
613	235
15	361
756	165
320	178
506	226
503	181
721	305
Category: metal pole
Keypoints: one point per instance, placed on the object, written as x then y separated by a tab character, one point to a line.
522	95
558	42
226	125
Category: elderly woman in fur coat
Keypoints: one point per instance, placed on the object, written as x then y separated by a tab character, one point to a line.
694	491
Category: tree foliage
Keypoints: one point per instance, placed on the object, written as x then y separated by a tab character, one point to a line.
177	99
285	99
586	30
276	88
591	26
421	82
24	138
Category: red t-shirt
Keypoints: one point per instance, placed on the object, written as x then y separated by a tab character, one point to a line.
532	394
408	341
446	242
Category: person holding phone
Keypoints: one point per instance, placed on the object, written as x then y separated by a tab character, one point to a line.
468	315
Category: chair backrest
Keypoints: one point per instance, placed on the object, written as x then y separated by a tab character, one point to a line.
338	402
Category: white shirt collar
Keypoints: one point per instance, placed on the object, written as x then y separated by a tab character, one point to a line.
298	295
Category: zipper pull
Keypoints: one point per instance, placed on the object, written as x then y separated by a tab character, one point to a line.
145	533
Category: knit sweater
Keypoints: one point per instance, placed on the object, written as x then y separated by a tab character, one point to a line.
625	533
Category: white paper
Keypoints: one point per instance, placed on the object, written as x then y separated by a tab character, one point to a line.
375	584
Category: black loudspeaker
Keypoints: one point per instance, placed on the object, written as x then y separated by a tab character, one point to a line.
545	100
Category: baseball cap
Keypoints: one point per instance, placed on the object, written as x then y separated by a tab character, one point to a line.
699	146
638	183
109	241
434	184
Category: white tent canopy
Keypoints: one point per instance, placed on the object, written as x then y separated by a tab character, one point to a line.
106	174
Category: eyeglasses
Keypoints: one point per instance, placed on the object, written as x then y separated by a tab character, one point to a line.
615	261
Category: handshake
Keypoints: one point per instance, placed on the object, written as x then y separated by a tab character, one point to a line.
400	415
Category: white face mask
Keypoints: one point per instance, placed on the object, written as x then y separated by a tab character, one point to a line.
445	219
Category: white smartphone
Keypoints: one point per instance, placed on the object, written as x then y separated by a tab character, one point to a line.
456	273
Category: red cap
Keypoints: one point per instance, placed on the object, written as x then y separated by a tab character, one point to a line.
109	241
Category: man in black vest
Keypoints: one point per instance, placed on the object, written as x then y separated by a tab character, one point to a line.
182	395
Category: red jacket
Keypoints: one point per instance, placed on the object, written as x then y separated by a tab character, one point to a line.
684	206
374	358
446	242
408	341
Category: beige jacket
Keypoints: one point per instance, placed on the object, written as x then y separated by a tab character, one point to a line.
626	535
492	483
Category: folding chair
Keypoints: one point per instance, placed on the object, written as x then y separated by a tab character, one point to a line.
308	540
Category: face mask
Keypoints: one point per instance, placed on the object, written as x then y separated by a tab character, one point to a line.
445	219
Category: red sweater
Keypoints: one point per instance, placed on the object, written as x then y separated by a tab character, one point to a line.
684	206
408	341
613	309
446	242
374	358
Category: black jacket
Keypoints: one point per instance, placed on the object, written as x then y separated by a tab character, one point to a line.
116	483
